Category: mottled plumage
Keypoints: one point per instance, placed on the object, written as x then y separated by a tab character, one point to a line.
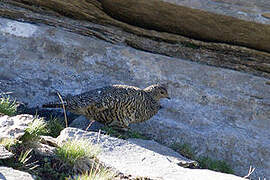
116	105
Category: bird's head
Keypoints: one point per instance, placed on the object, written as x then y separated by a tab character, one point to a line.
158	91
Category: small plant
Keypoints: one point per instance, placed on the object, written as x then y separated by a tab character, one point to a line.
216	165
24	156
204	162
35	130
77	154
97	173
54	127
8	143
8	106
184	149
49	169
21	160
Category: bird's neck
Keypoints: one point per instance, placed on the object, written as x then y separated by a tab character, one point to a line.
153	95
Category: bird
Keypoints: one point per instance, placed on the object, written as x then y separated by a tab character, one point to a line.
116	106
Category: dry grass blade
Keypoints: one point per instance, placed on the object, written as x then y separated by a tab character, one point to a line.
250	171
89	125
24	156
65	114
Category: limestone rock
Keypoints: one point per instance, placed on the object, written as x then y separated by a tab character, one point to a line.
7	173
142	158
14	127
44	150
5	154
46	146
237	8
48	140
221	113
173	45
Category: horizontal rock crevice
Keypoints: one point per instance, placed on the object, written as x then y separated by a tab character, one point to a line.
55	13
188	22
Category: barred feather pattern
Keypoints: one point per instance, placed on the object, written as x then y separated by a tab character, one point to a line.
116	105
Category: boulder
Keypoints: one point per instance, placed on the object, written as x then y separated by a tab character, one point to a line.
143	158
10	173
14	127
221	113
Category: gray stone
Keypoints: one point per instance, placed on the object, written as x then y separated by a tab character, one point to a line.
44	150
48	140
221	113
46	146
7	173
248	10
142	158
5	154
14	127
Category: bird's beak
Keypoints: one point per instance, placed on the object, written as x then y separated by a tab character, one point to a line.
168	97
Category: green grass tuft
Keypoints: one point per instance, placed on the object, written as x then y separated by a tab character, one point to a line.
35	130
25	156
184	149
8	106
77	154
8	143
216	165
98	173
54	126
204	162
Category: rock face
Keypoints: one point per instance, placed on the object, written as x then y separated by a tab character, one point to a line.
221	113
9	173
95	22
142	158
189	22
251	10
13	127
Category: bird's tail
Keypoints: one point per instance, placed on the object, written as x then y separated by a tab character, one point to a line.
54	105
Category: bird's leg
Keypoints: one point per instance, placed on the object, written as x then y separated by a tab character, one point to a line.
91	122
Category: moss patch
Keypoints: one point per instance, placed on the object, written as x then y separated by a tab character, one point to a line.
215	165
204	162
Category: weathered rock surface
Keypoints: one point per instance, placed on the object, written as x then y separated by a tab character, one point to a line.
251	10
222	113
142	158
5	154
7	173
46	146
13	127
167	17
99	24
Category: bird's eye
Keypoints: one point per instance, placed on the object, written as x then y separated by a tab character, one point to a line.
162	92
